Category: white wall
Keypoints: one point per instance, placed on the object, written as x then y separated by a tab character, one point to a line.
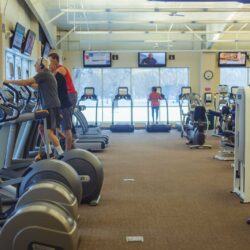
192	60
197	62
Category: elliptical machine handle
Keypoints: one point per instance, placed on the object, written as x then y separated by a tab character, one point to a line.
29	93
16	114
16	94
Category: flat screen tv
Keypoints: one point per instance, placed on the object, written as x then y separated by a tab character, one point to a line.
17	39
232	59
152	59
46	50
29	42
96	59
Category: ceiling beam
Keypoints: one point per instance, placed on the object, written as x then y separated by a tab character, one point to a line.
107	32
164	9
159	41
193	32
65	36
165	21
243	26
41	14
55	17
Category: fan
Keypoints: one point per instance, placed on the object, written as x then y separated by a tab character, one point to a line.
175	13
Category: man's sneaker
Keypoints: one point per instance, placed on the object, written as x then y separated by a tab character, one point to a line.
42	156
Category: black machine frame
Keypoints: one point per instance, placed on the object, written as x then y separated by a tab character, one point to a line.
122	95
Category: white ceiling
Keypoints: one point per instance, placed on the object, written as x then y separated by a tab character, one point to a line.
148	25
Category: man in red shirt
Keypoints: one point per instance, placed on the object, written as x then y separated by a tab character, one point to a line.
54	57
154	97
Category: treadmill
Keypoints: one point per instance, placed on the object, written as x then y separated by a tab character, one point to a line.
89	94
83	129
161	127
122	95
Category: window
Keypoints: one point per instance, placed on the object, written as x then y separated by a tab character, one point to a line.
233	76
139	82
89	77
112	79
142	82
172	79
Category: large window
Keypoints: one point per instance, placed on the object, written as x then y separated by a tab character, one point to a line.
142	82
89	77
172	79
112	79
139	82
234	76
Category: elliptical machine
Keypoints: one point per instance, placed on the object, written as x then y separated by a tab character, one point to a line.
194	122
86	164
36	221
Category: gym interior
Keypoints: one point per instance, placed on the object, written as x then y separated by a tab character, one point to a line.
166	172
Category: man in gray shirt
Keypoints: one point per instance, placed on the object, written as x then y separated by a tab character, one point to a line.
46	84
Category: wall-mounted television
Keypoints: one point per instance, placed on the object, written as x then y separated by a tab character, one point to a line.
232	59
46	50
29	42
96	59
152	59
17	40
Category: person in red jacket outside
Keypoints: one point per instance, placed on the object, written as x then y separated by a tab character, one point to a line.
154	97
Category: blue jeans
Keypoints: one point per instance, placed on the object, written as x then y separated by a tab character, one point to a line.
155	112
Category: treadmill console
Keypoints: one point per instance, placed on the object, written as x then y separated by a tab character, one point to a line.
123	91
222	89
123	94
89	91
186	90
234	90
208	97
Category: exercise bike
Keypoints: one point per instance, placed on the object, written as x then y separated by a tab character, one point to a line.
194	122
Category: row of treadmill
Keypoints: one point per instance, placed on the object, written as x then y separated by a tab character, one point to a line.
123	95
39	200
195	119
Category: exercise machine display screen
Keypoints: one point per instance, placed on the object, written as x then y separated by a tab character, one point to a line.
158	90
208	97
234	90
222	89
122	91
89	91
185	90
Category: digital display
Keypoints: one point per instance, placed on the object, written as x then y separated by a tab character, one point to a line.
122	91
158	90
185	90
29	43
223	89
234	90
46	50
208	97
232	59
18	36
89	91
152	59
96	59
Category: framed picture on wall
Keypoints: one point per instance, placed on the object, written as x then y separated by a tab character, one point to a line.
11	71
